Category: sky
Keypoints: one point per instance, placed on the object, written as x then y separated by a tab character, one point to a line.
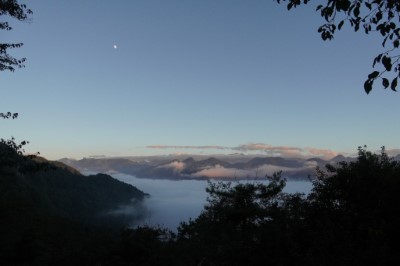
146	77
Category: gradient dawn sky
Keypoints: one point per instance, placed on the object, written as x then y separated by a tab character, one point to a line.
144	77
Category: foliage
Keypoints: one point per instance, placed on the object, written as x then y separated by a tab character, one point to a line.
381	16
19	12
11	152
8	115
354	211
243	224
349	218
146	245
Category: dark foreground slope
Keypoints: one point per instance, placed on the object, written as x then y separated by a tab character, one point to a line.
50	212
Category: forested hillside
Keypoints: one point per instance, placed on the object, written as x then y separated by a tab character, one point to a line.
49	211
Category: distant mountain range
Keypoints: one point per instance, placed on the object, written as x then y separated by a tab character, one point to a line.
202	167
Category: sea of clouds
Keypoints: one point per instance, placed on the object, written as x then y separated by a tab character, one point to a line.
174	201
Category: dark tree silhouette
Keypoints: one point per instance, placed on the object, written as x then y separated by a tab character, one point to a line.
378	16
350	217
8	115
242	224
13	9
17	11
353	212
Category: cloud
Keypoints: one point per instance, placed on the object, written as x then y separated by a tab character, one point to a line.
97	156
253	147
325	153
310	164
391	152
262	171
177	166
287	151
268	169
219	171
283	151
207	147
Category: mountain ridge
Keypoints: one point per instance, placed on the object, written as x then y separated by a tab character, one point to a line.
59	189
203	167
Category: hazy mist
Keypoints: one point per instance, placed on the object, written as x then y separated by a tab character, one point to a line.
171	201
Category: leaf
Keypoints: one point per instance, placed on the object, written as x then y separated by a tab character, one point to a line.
394	84
375	60
345	5
378	16
340	24
373	75
356	12
368	85
385	82
357	27
387	63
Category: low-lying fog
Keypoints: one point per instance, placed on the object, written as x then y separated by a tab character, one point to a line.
171	202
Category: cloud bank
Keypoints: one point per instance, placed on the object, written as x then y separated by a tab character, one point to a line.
271	150
218	171
391	152
175	165
207	147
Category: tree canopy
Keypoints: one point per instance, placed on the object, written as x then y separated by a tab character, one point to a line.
13	9
349	218
372	16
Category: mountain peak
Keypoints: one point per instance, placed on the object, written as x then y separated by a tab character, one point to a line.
189	160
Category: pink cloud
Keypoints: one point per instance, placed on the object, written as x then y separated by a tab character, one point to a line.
287	151
324	153
283	151
260	172
219	171
177	166
206	147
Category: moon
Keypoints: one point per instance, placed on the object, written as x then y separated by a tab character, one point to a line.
115	46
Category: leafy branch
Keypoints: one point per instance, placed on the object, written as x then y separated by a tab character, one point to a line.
19	12
8	115
378	16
